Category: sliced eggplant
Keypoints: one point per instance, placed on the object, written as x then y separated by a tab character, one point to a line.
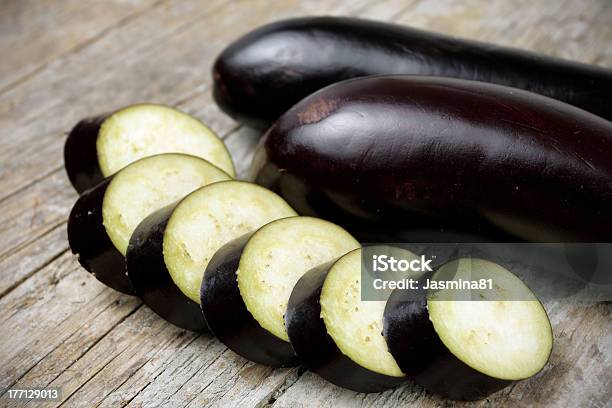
221	298
250	281
100	146
104	217
468	349
170	249
336	333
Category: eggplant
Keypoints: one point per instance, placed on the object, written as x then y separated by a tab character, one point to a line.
104	217
248	282
430	159
261	75
466	345
220	298
170	249
99	146
336	333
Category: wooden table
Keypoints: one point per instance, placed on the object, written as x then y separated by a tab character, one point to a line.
63	60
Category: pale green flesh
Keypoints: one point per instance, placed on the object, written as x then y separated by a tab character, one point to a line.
149	184
209	218
144	130
277	256
356	326
506	339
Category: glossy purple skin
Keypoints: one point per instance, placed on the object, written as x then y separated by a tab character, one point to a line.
431	155
147	272
88	239
227	316
420	353
312	344
81	155
262	74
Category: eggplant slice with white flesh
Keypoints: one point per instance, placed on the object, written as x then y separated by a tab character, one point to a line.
103	219
170	249
248	282
100	146
336	333
467	345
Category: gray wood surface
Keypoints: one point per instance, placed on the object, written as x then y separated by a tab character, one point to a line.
59	327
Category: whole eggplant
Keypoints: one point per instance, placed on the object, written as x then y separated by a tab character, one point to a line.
430	159
262	74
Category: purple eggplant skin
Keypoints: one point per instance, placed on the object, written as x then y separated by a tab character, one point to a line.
422	154
316	348
81	156
264	73
229	319
420	353
88	239
150	278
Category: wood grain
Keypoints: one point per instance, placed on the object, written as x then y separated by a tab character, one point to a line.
37	32
70	59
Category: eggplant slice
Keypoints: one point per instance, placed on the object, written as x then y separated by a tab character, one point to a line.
100	146
170	249
336	333
247	284
467	349
104	217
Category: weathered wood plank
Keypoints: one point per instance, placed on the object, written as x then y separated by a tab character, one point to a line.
38	32
116	354
257	386
35	233
22	263
160	378
578	372
145	70
238	147
136	63
27	214
158	364
57	302
566	28
140	349
35	211
125	350
62	358
58	272
17	212
311	390
38	243
145	349
467	21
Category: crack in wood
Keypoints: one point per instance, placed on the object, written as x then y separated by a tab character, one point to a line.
226	351
196	373
115	357
59	345
278	392
155	377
